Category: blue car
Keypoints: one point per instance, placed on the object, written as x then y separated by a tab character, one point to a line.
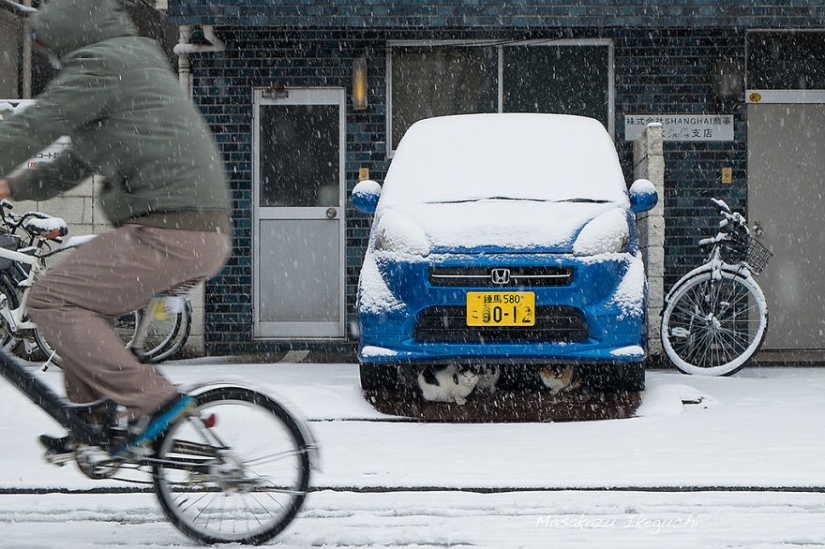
506	240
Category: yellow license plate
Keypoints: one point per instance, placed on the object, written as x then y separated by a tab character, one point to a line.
501	309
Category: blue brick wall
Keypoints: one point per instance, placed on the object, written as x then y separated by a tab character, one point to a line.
657	71
533	14
665	71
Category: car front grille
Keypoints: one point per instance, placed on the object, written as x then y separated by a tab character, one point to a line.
500	277
449	325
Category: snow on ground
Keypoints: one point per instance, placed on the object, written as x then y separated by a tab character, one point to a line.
647	481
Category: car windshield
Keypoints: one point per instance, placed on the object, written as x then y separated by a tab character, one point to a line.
533	157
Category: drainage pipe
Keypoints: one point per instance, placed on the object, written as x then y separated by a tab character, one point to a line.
184	48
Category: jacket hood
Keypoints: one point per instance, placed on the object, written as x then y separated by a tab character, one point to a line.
67	25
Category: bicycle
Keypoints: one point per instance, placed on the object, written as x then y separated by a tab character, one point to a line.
237	470
716	316
155	333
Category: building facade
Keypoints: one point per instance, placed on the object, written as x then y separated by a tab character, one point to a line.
738	87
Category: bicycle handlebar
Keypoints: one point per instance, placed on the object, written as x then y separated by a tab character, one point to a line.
731	222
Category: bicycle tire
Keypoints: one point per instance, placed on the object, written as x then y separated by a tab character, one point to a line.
125	326
51	357
248	498
718	334
168	347
165	339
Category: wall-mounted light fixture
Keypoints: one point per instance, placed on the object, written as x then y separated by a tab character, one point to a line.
726	79
360	85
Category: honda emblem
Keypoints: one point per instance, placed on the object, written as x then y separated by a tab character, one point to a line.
500	276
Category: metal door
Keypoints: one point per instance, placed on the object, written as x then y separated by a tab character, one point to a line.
786	168
298	218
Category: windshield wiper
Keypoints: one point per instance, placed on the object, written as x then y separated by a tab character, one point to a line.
466	200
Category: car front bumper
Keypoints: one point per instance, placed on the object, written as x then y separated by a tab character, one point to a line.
598	316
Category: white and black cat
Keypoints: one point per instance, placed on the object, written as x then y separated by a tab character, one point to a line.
448	383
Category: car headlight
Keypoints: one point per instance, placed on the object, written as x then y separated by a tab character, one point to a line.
607	233
397	233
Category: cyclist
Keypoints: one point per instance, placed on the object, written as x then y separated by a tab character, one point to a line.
164	191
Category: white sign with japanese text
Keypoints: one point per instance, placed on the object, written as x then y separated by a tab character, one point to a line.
682	127
10	106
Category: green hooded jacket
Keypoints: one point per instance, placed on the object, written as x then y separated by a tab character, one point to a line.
128	119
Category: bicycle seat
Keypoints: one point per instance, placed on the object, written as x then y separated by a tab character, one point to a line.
50	227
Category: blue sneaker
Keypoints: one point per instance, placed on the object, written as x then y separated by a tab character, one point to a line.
147	429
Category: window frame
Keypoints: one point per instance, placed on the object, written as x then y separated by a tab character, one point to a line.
500	45
786	95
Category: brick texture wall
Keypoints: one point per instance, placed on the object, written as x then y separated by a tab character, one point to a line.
657	71
663	59
534	14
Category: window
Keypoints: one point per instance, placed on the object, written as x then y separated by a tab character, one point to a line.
437	79
792	60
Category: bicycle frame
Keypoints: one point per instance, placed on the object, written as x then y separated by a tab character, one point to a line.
714	264
16	318
68	415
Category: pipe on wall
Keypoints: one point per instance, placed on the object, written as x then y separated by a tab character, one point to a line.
184	47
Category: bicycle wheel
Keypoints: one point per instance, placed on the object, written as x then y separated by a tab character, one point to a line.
8	340
169	330
167	333
237	471
51	357
714	327
125	326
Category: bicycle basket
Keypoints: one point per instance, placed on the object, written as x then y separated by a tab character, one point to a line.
9	242
757	256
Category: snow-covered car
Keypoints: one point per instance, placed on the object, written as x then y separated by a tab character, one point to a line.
503	239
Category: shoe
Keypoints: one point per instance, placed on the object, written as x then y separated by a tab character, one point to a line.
142	432
56	446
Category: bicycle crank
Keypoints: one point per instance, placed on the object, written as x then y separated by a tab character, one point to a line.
96	463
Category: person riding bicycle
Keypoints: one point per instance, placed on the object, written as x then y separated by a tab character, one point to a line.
164	190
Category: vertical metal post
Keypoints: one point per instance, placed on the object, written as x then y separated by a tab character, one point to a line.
27	56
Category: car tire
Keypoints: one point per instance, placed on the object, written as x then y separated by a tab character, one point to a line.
616	378
378	377
630	377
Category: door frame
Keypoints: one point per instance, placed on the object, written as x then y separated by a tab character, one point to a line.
263	330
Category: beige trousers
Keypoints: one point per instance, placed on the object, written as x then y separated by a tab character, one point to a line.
75	304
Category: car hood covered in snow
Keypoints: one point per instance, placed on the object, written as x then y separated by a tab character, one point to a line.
491	182
496	225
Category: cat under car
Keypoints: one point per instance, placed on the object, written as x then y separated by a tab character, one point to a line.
455	382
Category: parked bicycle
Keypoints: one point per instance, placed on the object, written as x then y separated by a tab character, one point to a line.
155	333
716	316
237	470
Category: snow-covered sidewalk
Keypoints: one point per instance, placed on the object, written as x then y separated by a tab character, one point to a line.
644	482
762	428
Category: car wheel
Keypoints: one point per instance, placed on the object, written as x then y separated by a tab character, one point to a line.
618	377
378	377
631	377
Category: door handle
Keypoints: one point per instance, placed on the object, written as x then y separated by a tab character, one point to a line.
332	213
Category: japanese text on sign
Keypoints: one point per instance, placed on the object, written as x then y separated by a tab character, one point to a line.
8	107
682	127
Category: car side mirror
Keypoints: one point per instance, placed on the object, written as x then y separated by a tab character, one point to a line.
643	196
365	196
